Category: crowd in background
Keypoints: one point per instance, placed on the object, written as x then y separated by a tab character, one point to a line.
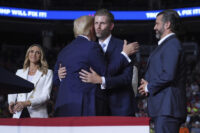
11	58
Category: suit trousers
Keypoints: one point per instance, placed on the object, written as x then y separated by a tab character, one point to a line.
101	107
166	124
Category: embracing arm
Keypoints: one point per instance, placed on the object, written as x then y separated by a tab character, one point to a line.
98	61
122	79
119	63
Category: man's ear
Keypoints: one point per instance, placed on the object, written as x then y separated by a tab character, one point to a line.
167	25
112	26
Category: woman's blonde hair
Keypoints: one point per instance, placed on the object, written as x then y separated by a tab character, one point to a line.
43	65
82	25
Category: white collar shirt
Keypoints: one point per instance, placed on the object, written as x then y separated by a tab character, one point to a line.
164	38
105	43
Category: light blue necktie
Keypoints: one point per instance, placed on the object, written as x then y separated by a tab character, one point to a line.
103	47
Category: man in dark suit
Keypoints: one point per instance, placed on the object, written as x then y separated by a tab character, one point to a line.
164	81
116	97
76	98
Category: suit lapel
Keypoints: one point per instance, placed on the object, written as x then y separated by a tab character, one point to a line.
157	48
36	77
150	58
110	48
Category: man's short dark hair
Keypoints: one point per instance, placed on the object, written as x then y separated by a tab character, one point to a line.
171	16
105	12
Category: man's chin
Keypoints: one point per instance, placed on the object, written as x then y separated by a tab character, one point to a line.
98	36
158	36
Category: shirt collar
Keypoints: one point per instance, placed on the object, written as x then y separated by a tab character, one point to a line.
164	38
106	41
84	37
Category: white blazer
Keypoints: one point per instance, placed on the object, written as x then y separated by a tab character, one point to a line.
135	80
38	97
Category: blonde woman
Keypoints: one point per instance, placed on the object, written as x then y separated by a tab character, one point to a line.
35	70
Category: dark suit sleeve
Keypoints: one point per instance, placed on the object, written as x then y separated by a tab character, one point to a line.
122	79
169	60
116	64
56	80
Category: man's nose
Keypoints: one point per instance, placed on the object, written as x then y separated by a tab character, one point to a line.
154	27
99	26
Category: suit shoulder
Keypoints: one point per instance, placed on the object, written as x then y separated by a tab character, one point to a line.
117	40
92	45
175	42
63	50
173	45
175	39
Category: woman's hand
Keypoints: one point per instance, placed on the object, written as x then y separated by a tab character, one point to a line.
19	106
11	107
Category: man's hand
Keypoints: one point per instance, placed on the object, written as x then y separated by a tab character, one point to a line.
130	48
62	72
90	77
142	87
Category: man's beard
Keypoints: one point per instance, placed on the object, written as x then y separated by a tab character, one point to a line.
159	33
103	34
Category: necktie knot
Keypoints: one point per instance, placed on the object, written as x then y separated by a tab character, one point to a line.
103	45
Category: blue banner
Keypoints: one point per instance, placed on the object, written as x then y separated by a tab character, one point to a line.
71	15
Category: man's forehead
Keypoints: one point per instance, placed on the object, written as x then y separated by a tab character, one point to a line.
101	17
